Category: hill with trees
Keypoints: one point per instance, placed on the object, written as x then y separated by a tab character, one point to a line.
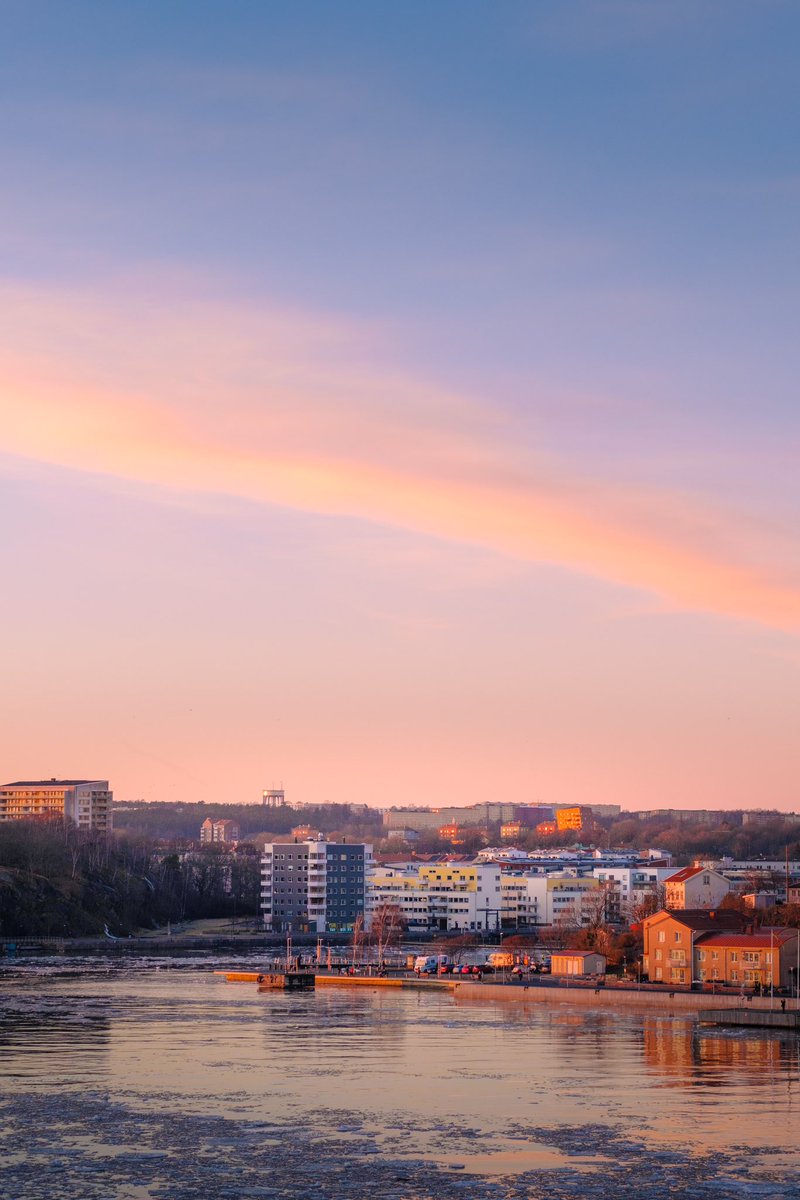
58	881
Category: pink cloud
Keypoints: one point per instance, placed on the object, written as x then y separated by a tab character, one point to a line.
299	410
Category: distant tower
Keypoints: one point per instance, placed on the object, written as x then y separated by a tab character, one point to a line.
273	798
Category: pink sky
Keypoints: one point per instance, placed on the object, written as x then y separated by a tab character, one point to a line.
419	601
401	404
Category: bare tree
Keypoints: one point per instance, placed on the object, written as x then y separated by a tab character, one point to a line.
458	944
387	927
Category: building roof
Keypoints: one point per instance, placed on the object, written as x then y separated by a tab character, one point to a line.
684	874
748	941
49	782
576	953
697	919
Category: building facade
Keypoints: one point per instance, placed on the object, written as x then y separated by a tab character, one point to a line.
696	887
219	831
314	886
629	887
762	959
670	936
578	962
85	802
439	896
548	899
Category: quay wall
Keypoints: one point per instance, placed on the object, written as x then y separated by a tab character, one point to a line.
662	1002
745	1017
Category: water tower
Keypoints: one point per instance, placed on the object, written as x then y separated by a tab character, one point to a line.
273	798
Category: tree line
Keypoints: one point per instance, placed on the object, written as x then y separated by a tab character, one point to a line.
59	881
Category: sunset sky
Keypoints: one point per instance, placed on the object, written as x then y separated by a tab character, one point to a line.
399	402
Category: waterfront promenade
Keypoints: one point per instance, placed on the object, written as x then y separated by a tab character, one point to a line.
657	1001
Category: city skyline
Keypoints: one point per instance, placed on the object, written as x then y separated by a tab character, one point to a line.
399	402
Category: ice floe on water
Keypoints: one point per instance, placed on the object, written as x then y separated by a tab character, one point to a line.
140	1081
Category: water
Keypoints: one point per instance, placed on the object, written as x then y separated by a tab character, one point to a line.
157	1080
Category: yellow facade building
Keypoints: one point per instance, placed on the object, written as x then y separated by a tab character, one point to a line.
86	802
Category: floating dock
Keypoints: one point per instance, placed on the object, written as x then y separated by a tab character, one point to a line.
286	981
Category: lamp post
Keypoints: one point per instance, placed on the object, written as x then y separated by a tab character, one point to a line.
772	967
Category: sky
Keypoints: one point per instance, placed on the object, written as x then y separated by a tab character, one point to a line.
398	402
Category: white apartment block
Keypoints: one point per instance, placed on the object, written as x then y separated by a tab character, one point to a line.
439	896
556	899
86	802
628	886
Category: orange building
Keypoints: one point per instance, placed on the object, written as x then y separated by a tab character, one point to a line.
760	959
569	818
669	941
545	828
511	829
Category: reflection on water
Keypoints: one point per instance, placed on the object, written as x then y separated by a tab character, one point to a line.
708	1057
418	1074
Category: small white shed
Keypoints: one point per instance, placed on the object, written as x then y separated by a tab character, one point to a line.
578	962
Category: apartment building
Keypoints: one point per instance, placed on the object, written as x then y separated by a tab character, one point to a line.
219	831
670	936
627	887
85	802
762	959
314	886
552	899
439	896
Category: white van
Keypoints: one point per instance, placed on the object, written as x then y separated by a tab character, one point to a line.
429	964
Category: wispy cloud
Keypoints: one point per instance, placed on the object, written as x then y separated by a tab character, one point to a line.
303	411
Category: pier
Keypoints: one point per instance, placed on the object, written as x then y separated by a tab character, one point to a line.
753	1018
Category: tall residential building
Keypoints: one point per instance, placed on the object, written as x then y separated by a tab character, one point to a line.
87	802
313	885
219	831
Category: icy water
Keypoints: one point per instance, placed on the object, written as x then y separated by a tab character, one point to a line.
156	1080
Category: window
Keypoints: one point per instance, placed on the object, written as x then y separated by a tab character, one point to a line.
662	936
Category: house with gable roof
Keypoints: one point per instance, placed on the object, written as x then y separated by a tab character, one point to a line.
696	887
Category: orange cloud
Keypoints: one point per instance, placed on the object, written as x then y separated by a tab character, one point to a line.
292	410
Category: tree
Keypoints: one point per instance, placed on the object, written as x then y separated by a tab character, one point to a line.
650	903
387	927
520	941
458	944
